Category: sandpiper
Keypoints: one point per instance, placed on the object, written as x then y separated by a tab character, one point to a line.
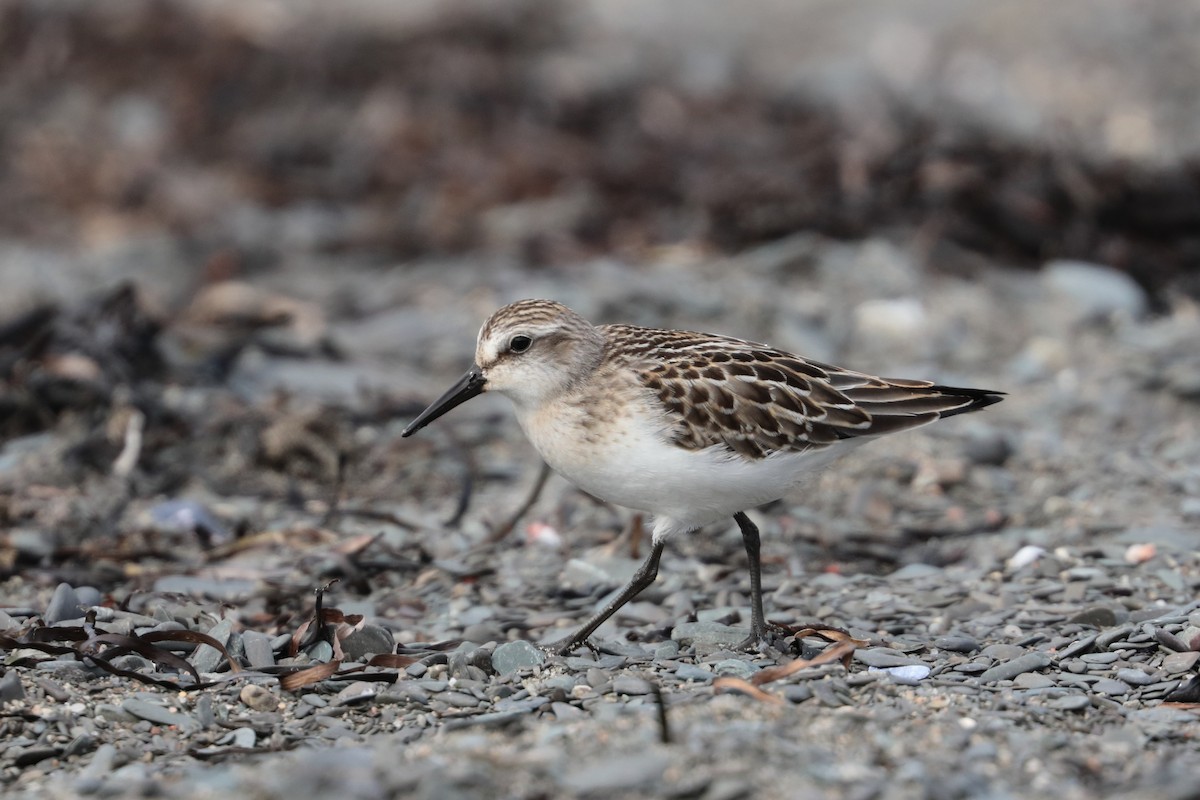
690	427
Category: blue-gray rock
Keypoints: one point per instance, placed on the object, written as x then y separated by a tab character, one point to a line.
207	658
1097	617
1135	677
257	647
64	605
160	715
1008	670
956	643
1071	702
691	672
369	640
1111	687
512	656
88	596
1094	291
10	687
708	634
611	774
734	667
884	657
631	685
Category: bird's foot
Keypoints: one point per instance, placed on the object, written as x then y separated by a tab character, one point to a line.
767	639
568	645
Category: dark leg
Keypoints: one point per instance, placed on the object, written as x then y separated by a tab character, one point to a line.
645	576
758	624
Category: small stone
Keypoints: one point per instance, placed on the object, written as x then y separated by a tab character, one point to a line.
64	605
628	684
1077	647
1176	663
207	658
459	699
10	687
610	775
797	692
1093	291
257	647
691	672
1097	617
512	656
1003	652
1100	658
915	571
667	650
908	675
357	692
1008	670
160	715
710	635
1033	680
1110	687
956	643
884	657
734	667
1071	702
258	697
369	640
991	449
1135	677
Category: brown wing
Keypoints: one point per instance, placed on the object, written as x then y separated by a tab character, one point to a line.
757	401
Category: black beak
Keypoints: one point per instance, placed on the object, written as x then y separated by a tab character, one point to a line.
467	387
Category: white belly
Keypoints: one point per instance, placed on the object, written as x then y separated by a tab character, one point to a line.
630	463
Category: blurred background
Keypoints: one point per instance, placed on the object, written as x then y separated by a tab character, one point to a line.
217	216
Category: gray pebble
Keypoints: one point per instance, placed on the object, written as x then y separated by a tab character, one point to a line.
1100	658
735	667
708	634
1072	702
160	715
1135	677
206	658
631	685
1084	645
88	596
1003	652
1011	669
667	650
1176	663
797	692
10	687
1033	680
956	643
369	640
458	699
1111	687
691	672
257	647
1097	617
608	775
1093	291
884	657
64	605
566	711
512	656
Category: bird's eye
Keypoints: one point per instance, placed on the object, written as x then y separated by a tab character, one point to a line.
519	344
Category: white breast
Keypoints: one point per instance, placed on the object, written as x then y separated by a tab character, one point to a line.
630	462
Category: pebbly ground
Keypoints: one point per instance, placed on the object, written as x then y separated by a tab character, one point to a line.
213	329
1036	562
